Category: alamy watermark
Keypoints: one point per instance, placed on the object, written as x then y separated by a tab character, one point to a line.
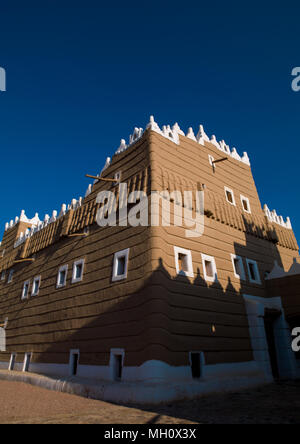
2	79
296	341
296	81
138	209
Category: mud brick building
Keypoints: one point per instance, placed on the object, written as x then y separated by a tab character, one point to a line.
144	305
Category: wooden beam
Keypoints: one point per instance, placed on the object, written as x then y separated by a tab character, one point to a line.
101	178
220	160
78	234
24	260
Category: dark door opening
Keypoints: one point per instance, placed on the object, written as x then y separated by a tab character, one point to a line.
269	320
118	367
196	365
74	364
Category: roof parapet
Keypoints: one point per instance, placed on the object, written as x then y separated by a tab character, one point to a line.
273	217
173	135
38	225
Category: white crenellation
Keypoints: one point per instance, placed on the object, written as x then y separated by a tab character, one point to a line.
273	217
37	225
190	134
172	133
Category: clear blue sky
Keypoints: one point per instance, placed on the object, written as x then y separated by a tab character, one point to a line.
82	74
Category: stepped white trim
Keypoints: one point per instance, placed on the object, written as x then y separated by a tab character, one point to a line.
173	135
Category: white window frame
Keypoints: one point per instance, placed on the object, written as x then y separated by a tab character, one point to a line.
27	361
211	160
74	278
23	290
254	263
10	276
118	277
241	263
61	269
117	177
232	193
188	254
36	279
211	259
248	204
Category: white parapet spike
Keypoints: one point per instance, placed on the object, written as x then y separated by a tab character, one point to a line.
273	217
245	158
23	217
73	204
214	141
35	220
89	190
6	226
107	163
63	210
137	134
235	154
190	134
122	146
202	136
46	219
176	129
152	125
54	216
288	223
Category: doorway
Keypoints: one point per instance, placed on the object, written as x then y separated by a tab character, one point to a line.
270	317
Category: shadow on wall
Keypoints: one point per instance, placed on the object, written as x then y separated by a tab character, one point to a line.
165	318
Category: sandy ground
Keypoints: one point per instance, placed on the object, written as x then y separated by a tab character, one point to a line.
271	404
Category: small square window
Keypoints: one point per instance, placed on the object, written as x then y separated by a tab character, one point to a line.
10	276
25	291
120	265
78	269
62	276
36	286
229	196
245	204
209	268
183	262
238	267
253	271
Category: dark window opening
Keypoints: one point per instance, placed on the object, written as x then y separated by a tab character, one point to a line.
196	365
209	269
78	271
237	267
229	196
183	262
62	278
252	272
121	266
